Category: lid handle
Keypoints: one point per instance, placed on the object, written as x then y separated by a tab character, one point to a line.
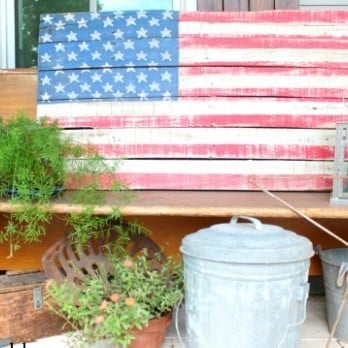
257	223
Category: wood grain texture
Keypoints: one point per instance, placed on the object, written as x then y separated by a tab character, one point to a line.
236	5
18	92
261	5
287	4
209	5
247	95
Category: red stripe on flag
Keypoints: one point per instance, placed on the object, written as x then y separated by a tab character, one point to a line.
179	181
235	151
283	16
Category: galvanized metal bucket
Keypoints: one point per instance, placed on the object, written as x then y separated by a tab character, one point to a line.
246	284
335	272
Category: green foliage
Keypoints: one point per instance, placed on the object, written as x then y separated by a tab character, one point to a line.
36	161
110	305
32	157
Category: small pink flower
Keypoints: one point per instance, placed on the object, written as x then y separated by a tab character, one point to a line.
115	297
128	263
103	305
130	301
99	319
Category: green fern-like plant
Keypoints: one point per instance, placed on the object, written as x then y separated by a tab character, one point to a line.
37	160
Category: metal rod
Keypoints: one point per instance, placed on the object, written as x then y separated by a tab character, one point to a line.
298	212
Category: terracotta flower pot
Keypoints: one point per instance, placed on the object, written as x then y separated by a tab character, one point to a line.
153	334
150	336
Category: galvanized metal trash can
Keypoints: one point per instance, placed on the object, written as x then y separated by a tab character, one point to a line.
246	285
335	272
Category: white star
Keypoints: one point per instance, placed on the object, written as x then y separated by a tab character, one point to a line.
108	46
72	56
108	22
118	77
153	65
58	67
60	25
85	87
45	96
130	21
142	77
106	67
166	56
141	55
118	14
46	58
59	47
72	36
59	88
96	55
142	32
118	94
96	95
73	77
47	19
167	96
166	76
95	15
154	43
107	88
84	46
82	23
119	56
46	38
45	80
72	95
96	77
142	95
69	17
130	67
167	15
141	14
128	45
166	32
130	88
154	21
85	66
118	34
95	35
154	86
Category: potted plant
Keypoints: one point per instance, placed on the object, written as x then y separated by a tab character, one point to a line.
121	305
37	160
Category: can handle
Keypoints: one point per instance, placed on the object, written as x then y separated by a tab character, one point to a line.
256	222
342	274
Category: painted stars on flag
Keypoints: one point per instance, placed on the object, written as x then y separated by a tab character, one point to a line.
130	55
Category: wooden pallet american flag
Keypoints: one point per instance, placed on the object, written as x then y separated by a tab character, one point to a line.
201	100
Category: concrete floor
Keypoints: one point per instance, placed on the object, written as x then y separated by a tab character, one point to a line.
314	332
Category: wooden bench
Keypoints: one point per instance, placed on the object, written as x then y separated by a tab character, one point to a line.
258	100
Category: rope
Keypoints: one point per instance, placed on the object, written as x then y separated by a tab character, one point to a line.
303	215
338	317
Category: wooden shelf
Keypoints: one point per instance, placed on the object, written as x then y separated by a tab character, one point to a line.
205	204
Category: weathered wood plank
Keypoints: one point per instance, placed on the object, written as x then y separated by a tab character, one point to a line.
229	143
261	5
287	4
201	112
236	5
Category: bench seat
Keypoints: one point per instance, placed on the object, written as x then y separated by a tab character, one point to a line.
210	204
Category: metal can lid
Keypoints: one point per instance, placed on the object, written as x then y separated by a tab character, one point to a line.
247	242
